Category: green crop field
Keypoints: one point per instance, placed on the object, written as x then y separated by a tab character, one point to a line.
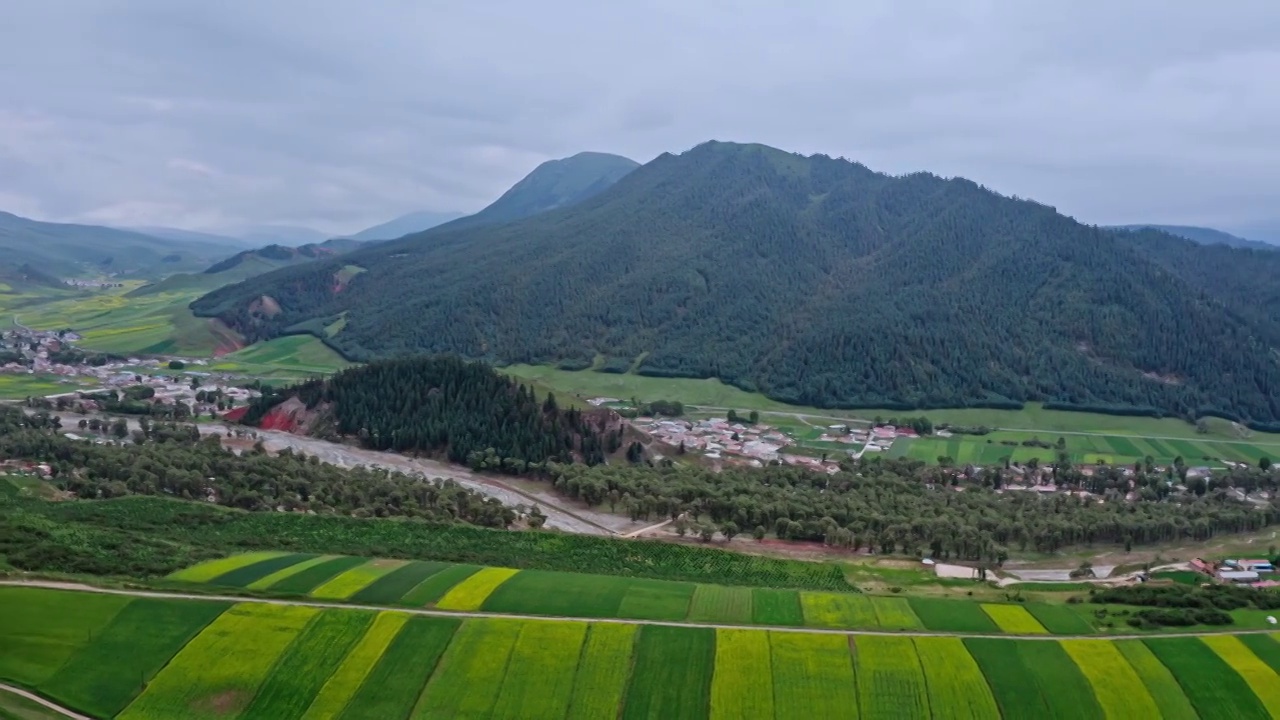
538	592
291	356
356	579
951	616
719	604
957	688
776	607
1013	619
743	657
311	658
894	613
105	675
218	673
19	387
196	658
41	629
1059	619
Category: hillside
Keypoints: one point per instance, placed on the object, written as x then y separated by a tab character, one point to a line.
1201	235
405	225
813	280
68	250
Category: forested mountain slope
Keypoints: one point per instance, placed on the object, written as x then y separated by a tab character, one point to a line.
404	225
813	280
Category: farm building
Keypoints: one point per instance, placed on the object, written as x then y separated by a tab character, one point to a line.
1260	566
1238	576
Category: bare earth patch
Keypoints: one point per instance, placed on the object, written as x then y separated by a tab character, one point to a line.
228	702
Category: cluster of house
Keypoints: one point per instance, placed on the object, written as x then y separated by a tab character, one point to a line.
1244	572
876	439
34	347
718	438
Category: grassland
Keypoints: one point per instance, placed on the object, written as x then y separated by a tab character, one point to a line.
19	387
291	356
259	660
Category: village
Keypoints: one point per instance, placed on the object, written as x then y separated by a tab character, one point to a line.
92	377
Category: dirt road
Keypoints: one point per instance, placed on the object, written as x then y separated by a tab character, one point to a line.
41	701
52	585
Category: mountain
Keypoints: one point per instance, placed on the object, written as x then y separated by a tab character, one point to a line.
67	250
405	225
810	279
553	184
247	264
171	233
256	235
1202	235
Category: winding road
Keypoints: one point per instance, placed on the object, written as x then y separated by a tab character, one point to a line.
41	701
78	587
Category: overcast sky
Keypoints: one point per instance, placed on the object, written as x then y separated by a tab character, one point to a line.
341	114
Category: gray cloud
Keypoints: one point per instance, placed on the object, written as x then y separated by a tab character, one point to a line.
338	115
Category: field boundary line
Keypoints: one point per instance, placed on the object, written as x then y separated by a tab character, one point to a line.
42	701
163	594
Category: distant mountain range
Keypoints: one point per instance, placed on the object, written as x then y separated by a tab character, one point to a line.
405	225
1202	235
812	280
66	250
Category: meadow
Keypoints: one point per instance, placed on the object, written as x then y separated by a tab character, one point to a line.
219	660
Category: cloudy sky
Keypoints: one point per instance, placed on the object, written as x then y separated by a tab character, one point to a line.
338	114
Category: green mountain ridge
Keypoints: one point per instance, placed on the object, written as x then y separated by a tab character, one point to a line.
1201	235
405	225
68	250
813	280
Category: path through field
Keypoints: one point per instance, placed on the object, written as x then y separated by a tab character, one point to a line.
78	587
37	699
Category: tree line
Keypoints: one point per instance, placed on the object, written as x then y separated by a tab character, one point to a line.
172	460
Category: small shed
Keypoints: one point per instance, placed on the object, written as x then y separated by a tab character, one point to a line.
1238	576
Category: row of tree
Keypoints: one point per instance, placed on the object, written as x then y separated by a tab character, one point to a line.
172	460
902	506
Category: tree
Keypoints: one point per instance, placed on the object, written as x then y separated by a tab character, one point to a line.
758	533
1264	463
177	365
706	531
1202	426
753	417
120	429
729	529
733	415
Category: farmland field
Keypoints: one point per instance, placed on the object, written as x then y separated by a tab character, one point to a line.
434	587
656	600
1119	690
205	572
471	593
130	649
1208	681
218	673
540	592
952	616
310	660
742	659
1160	683
286	572
308	579
891	683
40	629
395	683
957	688
391	587
346	680
837	611
540	673
671	677
776	607
894	613
812	676
205	659
1013	619
356	579
1261	678
471	671
1059	619
719	604
603	671
248	574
